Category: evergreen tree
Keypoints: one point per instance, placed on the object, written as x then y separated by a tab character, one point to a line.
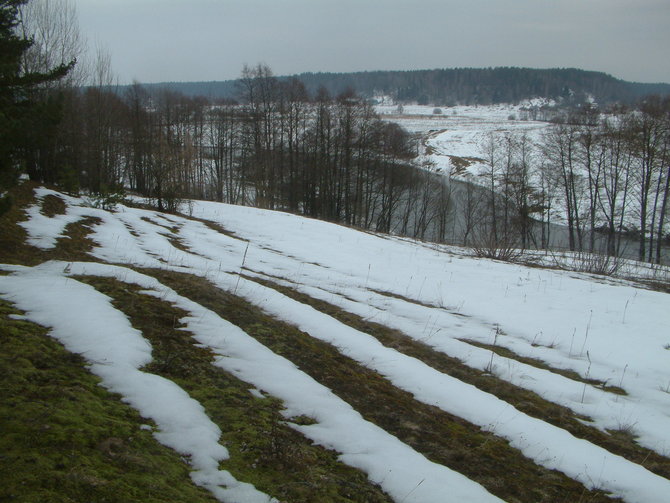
20	109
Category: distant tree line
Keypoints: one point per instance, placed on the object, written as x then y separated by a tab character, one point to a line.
458	86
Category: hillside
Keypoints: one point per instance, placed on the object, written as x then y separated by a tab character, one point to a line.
254	356
464	86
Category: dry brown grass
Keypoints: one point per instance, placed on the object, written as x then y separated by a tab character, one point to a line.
524	400
441	437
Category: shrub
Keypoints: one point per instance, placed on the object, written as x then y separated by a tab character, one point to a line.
594	263
503	248
108	199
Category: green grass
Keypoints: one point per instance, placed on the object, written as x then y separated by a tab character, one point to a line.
66	439
264	450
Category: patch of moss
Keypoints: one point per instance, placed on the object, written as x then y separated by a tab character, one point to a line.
264	450
66	439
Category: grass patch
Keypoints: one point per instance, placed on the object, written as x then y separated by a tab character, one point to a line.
66	439
264	450
402	297
534	362
173	229
172	235
524	400
74	245
13	248
215	227
441	437
459	164
656	285
53	205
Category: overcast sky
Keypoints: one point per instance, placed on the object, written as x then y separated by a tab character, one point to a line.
193	40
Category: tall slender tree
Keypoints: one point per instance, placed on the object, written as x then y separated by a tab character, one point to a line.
21	112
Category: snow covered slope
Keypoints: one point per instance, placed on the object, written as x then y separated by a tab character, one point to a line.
605	344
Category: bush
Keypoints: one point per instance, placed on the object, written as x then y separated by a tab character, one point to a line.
108	199
68	180
594	263
503	248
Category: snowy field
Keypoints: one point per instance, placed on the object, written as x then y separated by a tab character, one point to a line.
460	131
605	330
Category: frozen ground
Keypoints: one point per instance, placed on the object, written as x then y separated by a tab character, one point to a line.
609	331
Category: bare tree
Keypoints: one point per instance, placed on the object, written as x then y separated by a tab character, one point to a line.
559	149
54	27
472	207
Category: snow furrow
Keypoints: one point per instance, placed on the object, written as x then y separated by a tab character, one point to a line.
348	268
608	411
402	472
85	322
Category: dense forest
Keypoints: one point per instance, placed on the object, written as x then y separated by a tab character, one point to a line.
457	86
